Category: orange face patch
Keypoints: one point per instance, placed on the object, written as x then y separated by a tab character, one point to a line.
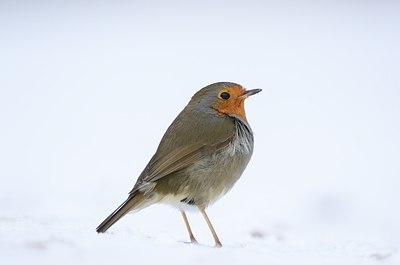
234	104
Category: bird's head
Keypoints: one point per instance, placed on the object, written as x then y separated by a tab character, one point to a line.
224	98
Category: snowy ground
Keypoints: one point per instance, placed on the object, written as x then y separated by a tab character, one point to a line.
87	89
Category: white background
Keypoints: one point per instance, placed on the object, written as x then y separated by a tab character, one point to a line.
87	89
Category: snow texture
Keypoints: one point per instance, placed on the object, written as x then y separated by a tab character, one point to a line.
87	89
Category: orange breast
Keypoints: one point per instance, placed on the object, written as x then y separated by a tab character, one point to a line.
235	107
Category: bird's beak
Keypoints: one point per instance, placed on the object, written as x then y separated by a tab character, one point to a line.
249	93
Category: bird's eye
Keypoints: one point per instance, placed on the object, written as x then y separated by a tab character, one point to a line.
225	95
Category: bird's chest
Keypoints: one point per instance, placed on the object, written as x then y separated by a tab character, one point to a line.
213	176
230	162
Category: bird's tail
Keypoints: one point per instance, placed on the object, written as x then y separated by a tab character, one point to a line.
134	202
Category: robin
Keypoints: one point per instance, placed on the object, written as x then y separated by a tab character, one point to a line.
200	157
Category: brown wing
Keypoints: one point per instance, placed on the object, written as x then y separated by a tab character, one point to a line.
191	137
181	158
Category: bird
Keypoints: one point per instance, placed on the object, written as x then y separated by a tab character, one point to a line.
199	159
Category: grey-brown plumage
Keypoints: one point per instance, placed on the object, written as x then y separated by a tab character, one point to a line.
200	157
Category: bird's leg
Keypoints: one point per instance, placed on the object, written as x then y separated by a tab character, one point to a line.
192	239
216	239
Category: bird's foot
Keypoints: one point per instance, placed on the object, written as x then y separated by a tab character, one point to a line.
218	244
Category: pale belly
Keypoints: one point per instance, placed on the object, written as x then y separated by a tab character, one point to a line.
206	180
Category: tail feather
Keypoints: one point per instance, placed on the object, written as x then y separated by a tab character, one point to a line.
133	202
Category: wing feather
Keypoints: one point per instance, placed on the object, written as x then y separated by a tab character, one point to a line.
181	158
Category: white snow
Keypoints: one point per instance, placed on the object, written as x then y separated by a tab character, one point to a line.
88	88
